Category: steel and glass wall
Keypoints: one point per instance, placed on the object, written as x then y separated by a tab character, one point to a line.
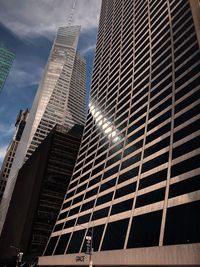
6	60
136	180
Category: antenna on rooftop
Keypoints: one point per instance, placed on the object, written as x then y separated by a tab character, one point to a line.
71	14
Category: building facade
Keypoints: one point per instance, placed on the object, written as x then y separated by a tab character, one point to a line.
11	150
38	194
136	181
6	60
60	99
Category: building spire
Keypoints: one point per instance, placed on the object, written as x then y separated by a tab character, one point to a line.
71	15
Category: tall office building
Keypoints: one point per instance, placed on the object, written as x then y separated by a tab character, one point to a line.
38	195
6	60
60	99
136	181
11	150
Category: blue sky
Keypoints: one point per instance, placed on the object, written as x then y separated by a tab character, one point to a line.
28	27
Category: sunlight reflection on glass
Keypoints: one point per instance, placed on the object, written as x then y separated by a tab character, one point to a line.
104	123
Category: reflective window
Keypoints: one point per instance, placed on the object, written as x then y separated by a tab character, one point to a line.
151	197
62	243
115	235
145	230
104	199
128	175
182	224
76	241
153	179
122	206
130	188
185	166
100	214
186	186
51	246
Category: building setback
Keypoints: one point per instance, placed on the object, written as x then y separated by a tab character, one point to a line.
38	194
11	150
6	60
136	181
60	99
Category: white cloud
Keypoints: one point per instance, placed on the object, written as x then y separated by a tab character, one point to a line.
22	76
87	49
35	17
6	130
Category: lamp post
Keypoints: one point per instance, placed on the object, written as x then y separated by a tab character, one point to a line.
19	256
89	243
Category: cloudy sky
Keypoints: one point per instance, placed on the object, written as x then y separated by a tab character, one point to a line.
28	27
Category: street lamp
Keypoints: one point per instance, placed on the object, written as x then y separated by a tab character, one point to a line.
19	256
89	243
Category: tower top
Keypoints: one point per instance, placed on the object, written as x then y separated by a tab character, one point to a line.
71	15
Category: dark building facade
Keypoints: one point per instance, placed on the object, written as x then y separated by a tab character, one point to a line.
11	150
39	192
136	181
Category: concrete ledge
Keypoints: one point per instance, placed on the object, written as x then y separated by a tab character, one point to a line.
176	255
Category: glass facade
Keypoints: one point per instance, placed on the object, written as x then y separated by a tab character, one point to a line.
6	60
137	174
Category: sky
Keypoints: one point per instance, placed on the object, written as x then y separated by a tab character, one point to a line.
28	28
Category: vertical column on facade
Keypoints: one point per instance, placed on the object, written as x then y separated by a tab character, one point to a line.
90	223
162	229
145	130
107	220
76	227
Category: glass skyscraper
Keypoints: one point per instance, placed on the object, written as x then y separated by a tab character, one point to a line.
136	181
6	60
60	99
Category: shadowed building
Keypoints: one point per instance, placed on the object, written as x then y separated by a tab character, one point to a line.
136	181
38	194
11	150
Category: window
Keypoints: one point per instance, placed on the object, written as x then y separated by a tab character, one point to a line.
107	185
100	214
186	147
87	205
153	179
182	224
151	197
186	186
130	188
84	219
51	245
122	206
62	243
157	147
76	241
105	198
145	230
128	175
155	162
115	235
185	166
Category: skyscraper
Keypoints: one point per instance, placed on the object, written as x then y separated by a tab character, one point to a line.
11	150
136	181
6	60
60	99
38	194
